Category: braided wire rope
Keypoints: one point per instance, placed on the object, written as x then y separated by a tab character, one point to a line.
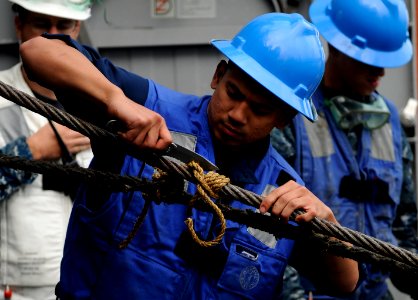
317	225
247	217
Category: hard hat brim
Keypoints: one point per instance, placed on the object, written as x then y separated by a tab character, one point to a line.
52	9
373	57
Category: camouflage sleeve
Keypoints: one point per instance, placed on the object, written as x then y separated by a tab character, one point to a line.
283	141
405	224
292	288
10	179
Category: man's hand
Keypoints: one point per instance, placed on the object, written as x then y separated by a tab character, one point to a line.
43	144
141	126
284	200
336	274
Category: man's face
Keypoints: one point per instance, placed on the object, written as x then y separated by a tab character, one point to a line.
241	111
358	78
33	24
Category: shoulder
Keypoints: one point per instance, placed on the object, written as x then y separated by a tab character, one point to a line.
391	105
168	98
8	76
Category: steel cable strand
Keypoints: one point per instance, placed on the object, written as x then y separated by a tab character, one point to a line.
123	183
342	233
110	181
336	247
247	217
51	112
371	245
368	242
93	131
345	234
64	118
230	191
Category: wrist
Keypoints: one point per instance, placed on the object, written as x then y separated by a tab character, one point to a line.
34	148
112	101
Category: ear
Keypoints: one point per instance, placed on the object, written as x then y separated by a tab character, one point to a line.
220	71
18	27
74	35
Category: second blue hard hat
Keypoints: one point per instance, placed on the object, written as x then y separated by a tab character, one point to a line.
283	53
374	32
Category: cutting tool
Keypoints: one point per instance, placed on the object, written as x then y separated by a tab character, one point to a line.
174	150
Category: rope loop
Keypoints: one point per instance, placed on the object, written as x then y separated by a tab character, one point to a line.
208	186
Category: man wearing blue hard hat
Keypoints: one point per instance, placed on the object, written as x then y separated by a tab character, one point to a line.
356	157
253	92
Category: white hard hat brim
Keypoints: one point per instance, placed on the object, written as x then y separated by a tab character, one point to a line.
54	9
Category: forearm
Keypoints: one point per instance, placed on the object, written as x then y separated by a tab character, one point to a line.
340	274
12	180
329	274
62	68
343	273
58	66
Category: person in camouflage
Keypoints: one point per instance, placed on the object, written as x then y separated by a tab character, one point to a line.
356	157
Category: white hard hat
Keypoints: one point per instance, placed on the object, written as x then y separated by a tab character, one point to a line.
68	9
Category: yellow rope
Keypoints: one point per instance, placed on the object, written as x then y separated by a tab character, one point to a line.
158	175
208	185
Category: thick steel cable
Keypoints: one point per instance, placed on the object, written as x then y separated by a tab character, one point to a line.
53	113
107	180
318	225
114	182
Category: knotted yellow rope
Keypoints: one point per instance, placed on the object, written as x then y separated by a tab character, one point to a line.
208	185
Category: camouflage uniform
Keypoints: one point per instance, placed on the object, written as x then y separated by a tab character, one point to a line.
12	179
405	224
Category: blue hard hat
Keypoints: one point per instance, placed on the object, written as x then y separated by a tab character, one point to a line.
283	53
374	32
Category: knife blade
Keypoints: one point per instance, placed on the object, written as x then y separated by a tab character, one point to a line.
185	155
174	150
